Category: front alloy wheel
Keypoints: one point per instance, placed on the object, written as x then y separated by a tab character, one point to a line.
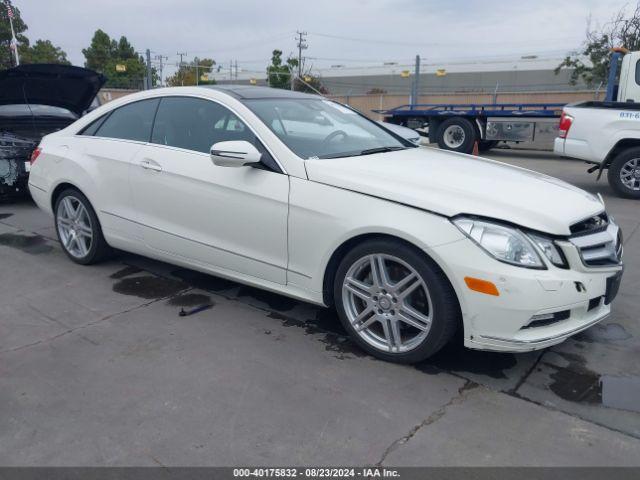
394	301
387	303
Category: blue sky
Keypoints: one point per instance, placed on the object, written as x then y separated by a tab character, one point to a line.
368	31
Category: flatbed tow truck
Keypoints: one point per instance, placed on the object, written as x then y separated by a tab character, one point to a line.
458	127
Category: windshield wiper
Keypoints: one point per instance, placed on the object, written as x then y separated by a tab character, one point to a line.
370	151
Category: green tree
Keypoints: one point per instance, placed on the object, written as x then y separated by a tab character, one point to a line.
43	51
7	59
279	73
186	74
591	63
100	52
124	50
118	61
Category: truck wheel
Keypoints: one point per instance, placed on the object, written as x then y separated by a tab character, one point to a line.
486	145
624	173
457	134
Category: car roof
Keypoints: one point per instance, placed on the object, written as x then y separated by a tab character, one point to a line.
252	92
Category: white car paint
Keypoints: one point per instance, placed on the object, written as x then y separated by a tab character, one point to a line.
598	127
279	232
596	131
433	181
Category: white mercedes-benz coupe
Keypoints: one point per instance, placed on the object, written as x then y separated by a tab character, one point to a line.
300	195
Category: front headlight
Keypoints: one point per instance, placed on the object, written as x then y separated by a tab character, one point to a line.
503	243
550	250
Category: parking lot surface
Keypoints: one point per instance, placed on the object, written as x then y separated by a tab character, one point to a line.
97	367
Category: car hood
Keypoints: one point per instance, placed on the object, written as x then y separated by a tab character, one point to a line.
65	86
451	184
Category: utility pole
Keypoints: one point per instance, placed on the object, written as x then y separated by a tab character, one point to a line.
160	58
235	67
416	82
302	45
197	61
181	54
291	77
149	84
230	71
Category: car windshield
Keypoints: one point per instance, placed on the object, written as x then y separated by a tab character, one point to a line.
319	128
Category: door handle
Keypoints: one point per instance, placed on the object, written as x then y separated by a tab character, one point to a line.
151	165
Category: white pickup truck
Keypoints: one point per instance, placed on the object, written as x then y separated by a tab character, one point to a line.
607	133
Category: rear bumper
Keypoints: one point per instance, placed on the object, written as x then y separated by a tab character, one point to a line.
577	149
40	196
558	146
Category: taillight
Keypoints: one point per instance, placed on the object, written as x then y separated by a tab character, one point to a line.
34	155
565	124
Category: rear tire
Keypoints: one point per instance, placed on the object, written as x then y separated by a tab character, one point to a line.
624	173
457	134
78	228
395	321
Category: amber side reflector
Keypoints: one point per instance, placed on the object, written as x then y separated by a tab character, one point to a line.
481	286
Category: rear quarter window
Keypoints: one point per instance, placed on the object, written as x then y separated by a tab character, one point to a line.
91	129
130	122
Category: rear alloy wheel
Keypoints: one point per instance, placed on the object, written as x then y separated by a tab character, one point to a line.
624	173
394	303
457	134
78	228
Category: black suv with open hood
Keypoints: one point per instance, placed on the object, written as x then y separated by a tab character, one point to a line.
36	100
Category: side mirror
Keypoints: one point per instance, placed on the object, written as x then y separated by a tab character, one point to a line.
235	153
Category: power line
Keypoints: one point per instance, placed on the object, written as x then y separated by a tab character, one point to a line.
369	40
434	44
252	44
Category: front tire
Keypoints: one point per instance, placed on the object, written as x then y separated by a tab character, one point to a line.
624	173
395	302
78	228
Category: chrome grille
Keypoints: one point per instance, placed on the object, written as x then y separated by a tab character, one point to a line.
602	248
597	223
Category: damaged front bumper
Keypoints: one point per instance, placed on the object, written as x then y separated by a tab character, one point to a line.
15	152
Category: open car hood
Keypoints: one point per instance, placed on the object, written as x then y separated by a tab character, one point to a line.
65	86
